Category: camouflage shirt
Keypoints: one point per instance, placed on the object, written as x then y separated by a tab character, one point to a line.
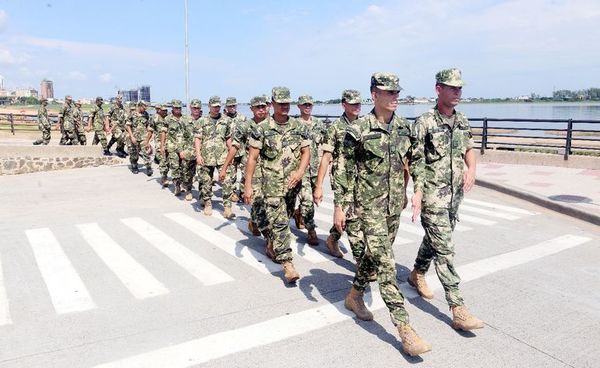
237	120
316	134
43	117
241	136
78	118
117	116
375	155
334	142
176	129
279	146
97	116
66	114
213	134
438	157
138	121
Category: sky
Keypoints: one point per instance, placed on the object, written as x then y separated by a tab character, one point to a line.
244	48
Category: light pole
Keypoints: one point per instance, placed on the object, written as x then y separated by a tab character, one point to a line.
187	58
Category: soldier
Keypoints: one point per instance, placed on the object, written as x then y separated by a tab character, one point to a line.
116	118
376	149
176	128
67	123
442	145
283	147
304	215
100	127
212	141
79	128
239	162
332	152
239	140
157	122
43	123
136	131
190	153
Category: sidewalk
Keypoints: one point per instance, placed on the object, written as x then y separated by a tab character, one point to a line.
574	192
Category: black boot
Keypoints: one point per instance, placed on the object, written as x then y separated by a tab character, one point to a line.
111	142
107	153
149	171
134	169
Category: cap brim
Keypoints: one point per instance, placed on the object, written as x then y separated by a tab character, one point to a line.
215	105
353	101
455	83
283	100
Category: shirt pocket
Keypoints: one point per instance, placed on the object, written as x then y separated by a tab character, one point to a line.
374	154
436	142
271	145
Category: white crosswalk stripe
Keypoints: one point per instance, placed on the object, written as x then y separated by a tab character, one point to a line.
137	279
497	214
201	269
66	289
499	206
475	220
229	245
4	309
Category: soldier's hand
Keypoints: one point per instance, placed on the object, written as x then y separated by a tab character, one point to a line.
317	195
339	219
200	161
247	194
416	205
222	174
182	155
133	140
469	180
148	149
295	178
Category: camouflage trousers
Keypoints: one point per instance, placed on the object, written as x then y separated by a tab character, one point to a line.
379	233
182	170
437	246
80	131
119	135
279	211
305	201
364	261
258	212
238	163
68	137
45	129
163	162
135	151
205	183
100	136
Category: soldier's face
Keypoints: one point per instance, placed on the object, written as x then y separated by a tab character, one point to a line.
448	96
259	112
386	100
214	111
305	109
196	112
141	108
281	108
351	110
162	113
176	111
231	109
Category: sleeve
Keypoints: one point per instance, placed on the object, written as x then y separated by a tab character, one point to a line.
239	133
256	137
345	178
416	162
329	138
305	137
197	131
470	141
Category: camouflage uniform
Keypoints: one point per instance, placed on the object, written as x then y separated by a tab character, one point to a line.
43	125
439	145
155	126
280	151
137	123
117	117
213	134
374	155
67	122
97	116
177	130
241	157
79	128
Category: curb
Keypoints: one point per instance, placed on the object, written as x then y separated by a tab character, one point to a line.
541	201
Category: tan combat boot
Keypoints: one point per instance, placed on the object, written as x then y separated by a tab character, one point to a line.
177	189
228	213
412	344
464	320
253	228
298	219
354	302
417	280
269	251
333	247
312	238
188	195
289	272
208	207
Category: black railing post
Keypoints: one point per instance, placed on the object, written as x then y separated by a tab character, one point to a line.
12	125
484	136
569	138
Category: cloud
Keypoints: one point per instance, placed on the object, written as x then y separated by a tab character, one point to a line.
76	75
106	77
8	58
3	20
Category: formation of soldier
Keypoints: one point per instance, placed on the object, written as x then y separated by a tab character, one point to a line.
283	161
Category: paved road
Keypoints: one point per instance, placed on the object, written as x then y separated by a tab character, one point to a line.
101	268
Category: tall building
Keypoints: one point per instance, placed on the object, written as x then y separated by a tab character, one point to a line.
135	95
47	89
144	93
26	92
1	83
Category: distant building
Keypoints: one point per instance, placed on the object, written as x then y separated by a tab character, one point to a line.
47	89
144	93
134	95
26	92
1	83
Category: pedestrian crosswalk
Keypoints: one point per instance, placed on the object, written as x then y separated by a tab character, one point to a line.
69	294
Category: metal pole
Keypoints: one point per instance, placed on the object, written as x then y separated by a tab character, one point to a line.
484	132
569	138
187	58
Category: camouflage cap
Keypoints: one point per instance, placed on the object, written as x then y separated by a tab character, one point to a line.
43	100
386	81
450	77
142	103
119	98
258	101
214	101
305	99
176	104
99	99
351	96
158	107
281	95
78	102
68	98
132	107
230	101
196	103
